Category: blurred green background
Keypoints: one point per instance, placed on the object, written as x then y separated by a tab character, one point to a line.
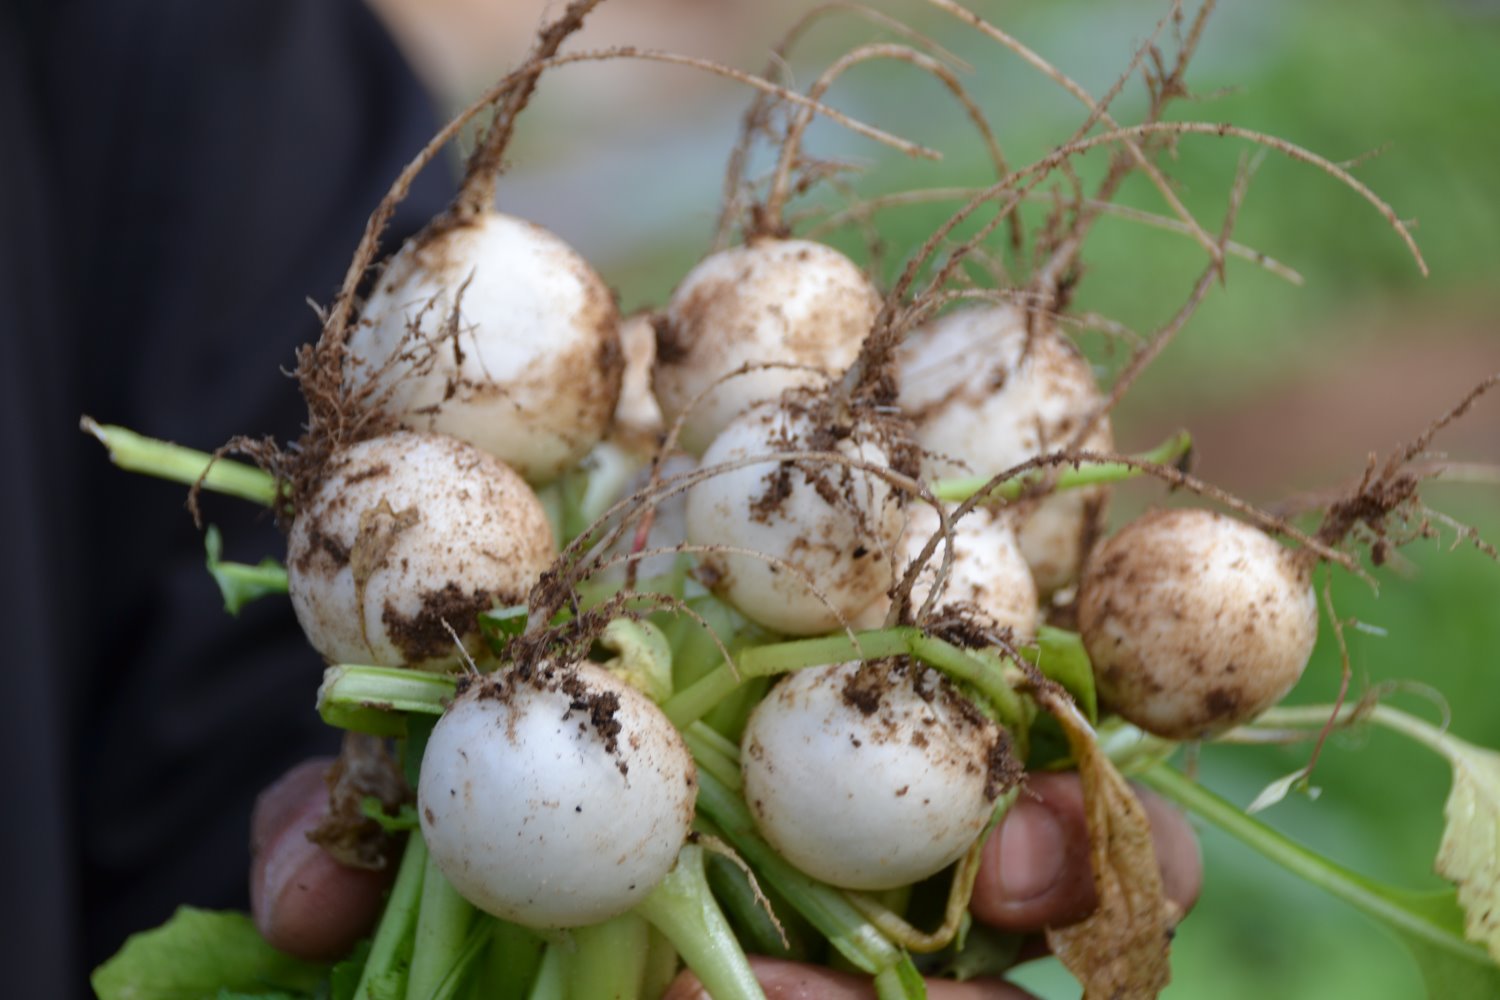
1286	388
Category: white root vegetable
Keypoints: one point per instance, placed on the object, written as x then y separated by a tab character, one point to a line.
787	301
1195	622
832	525
872	775
982	402
408	535
988	574
496	332
557	800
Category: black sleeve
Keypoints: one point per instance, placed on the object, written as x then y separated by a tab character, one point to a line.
195	172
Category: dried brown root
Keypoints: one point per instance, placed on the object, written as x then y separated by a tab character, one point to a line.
483	172
756	120
1164	86
1388	493
1098	111
768	219
1159	341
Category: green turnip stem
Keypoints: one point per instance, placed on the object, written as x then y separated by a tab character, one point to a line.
731	887
382	971
373	699
697	699
683	908
661	964
551	977
823	906
463	961
610	960
719	750
138	453
900	982
1335	879
443	920
1316	716
511	962
1085	474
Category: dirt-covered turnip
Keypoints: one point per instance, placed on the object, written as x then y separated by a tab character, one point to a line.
829	529
988	574
407	536
984	394
872	775
1195	622
792	302
495	331
555	798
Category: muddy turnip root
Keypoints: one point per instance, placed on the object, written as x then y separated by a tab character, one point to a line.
1195	622
872	775
494	331
408	536
782	301
985	395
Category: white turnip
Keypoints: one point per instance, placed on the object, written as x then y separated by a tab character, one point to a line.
408	536
1195	622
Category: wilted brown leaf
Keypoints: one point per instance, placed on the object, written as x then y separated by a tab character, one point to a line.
1120	951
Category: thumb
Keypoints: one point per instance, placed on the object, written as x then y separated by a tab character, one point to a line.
305	903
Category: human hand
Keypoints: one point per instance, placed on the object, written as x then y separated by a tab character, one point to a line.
304	902
1035	873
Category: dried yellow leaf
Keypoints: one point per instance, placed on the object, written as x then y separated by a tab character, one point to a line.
1469	855
1120	951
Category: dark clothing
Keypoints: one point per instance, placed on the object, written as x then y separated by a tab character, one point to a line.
176	180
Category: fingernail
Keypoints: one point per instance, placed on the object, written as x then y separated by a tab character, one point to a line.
1030	851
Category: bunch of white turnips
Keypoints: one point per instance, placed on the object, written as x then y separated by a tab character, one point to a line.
498	349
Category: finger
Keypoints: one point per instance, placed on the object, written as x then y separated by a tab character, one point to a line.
793	981
1036	870
305	903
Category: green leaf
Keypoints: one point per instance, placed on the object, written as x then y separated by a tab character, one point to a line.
503	623
643	658
1280	788
240	583
405	819
199	955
